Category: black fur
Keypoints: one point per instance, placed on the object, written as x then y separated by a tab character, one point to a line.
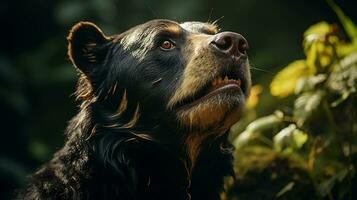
104	159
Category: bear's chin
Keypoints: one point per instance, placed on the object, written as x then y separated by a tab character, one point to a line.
217	112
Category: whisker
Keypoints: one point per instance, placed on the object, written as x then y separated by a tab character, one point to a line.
216	21
209	16
263	70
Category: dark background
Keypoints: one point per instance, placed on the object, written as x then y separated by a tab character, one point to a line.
37	79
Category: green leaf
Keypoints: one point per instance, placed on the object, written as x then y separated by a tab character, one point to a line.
261	124
285	189
341	99
243	139
343	80
344	49
319	29
289	137
305	105
311	55
326	186
309	83
299	138
264	123
319	53
284	82
347	23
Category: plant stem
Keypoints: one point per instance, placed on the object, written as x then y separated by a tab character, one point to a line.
333	125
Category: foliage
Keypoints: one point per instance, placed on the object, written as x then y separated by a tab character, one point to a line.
317	130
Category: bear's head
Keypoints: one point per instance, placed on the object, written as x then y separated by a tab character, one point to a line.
187	77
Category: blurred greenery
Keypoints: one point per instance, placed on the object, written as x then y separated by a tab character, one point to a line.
302	146
309	149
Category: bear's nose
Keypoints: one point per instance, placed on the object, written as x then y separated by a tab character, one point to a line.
230	43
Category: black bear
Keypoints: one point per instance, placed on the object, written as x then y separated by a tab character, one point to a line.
156	105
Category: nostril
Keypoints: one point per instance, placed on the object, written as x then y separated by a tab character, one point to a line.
243	46
224	43
229	43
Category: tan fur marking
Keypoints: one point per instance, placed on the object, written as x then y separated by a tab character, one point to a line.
111	126
232	118
193	148
111	90
174	29
93	132
134	120
212	28
228	184
122	106
201	62
85	95
202	67
194	140
144	136
91	45
202	115
84	89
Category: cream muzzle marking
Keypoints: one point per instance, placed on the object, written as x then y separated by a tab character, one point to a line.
200	69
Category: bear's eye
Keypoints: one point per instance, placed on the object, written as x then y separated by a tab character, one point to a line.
167	45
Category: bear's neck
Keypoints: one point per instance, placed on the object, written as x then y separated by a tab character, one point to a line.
193	161
125	166
159	173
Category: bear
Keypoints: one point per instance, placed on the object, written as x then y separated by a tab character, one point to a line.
156	103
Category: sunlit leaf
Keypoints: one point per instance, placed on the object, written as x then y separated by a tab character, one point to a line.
309	83
345	49
257	126
343	80
341	99
311	55
264	123
243	138
305	105
320	42
299	138
320	53
290	137
284	82
282	138
254	96
319	29
315	38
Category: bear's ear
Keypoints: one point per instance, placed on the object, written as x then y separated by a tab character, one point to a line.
87	46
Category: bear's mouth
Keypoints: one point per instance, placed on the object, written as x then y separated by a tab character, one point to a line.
225	82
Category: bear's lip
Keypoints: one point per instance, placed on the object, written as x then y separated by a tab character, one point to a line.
221	83
225	82
218	85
